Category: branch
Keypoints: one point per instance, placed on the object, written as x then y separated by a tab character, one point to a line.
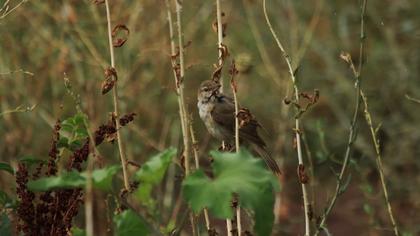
115	98
379	162
352	132
286	57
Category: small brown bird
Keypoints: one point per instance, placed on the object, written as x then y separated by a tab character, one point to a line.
218	114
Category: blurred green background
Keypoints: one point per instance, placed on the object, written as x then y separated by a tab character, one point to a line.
42	40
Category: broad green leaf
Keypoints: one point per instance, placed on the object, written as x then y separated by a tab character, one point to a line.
238	173
6	167
154	169
5	225
101	179
66	180
30	160
129	223
76	231
151	173
63	142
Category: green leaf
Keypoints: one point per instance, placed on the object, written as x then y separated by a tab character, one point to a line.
151	173
6	201
102	179
129	223
63	142
66	180
344	186
30	160
5	225
76	231
6	167
154	169
238	173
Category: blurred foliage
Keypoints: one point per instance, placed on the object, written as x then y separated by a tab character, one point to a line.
42	40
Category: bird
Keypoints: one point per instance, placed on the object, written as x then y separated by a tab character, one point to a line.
217	111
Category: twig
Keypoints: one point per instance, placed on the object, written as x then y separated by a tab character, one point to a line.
179	83
219	38
18	110
375	140
6	6
412	99
298	141
234	88
352	133
115	98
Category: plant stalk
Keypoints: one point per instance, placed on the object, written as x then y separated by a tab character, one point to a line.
297	123
116	105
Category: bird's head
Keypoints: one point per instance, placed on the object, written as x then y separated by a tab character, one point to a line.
208	88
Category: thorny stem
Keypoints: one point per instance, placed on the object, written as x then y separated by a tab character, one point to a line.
115	98
379	162
352	133
219	38
298	141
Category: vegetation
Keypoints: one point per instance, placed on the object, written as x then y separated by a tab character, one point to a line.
101	134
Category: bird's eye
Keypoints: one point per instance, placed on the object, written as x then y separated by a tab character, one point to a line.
205	89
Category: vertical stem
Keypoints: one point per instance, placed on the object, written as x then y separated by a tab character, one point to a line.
229	227
379	163
297	124
180	82
89	199
352	133
235	98
219	38
115	99
180	89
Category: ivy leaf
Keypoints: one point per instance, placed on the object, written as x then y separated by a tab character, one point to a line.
101	179
129	223
238	173
152	172
6	167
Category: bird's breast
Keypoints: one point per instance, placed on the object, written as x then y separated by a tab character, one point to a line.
205	109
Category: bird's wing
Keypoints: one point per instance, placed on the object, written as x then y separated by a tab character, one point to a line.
224	115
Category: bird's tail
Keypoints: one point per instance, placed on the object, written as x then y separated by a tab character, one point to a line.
269	161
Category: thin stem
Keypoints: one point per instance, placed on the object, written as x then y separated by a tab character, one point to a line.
297	125
352	132
375	141
235	98
181	101
219	37
180	84
115	99
229	227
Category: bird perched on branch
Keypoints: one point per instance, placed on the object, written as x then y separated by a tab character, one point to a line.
218	114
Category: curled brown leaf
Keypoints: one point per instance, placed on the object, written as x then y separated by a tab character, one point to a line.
118	42
111	78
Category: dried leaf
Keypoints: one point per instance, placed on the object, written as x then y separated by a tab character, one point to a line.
118	42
